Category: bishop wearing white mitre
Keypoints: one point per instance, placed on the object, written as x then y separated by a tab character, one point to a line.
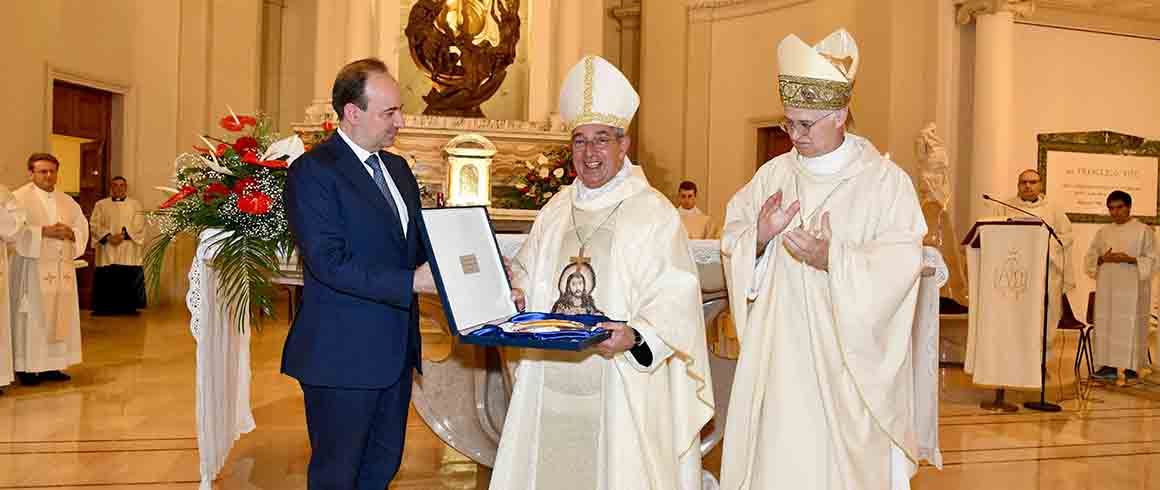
822	252
628	413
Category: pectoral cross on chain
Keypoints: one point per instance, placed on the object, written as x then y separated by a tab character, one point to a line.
580	258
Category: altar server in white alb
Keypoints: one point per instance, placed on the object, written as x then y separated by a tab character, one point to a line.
1122	260
118	236
1061	277
46	327
12	219
823	254
628	413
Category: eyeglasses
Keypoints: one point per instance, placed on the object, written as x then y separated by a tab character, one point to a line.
600	142
789	125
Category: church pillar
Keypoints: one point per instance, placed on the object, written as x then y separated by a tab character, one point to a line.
388	28
991	144
348	30
324	61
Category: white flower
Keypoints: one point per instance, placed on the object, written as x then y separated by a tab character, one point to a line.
547	195
292	147
559	173
521	186
542	160
544	172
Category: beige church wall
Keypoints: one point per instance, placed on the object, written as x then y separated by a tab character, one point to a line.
170	64
296	84
711	75
1068	80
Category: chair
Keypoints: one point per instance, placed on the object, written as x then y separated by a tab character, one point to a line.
1068	321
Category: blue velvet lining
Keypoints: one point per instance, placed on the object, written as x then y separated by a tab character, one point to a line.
494	331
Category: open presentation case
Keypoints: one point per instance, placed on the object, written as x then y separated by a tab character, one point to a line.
468	267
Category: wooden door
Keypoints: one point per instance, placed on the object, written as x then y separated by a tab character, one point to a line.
85	112
771	142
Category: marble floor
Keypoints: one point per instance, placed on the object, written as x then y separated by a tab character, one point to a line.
126	421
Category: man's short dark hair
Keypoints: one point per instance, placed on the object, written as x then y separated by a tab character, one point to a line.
1121	196
38	157
687	185
122	179
351	83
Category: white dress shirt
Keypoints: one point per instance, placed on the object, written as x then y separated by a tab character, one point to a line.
362	155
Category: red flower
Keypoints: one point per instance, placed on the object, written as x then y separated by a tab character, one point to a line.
242	186
214	191
182	194
250	157
222	148
273	163
245	143
231	123
327	126
254	203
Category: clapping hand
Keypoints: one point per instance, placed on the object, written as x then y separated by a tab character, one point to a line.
773	219
811	245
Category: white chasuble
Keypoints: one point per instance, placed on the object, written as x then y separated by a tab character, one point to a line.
1123	294
1005	328
823	396
1061	278
113	218
578	420
12	220
46	331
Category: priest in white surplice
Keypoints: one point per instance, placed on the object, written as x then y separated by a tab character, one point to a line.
12	219
822	252
1061	278
118	236
46	328
627	414
1122	260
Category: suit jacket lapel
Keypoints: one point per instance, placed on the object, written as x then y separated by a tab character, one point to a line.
356	172
409	197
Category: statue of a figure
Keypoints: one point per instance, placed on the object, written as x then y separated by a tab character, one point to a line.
465	47
934	193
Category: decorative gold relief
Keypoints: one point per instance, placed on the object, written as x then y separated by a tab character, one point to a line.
465	47
968	10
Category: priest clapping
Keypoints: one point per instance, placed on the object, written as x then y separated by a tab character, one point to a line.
822	252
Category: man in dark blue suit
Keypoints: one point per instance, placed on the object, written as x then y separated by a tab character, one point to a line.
354	212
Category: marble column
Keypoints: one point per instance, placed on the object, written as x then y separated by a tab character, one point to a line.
992	118
348	30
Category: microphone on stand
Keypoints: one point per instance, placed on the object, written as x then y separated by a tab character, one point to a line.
1028	213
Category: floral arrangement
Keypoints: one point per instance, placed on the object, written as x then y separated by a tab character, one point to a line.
544	178
234	187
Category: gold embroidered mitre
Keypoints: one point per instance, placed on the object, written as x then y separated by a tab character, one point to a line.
595	92
817	77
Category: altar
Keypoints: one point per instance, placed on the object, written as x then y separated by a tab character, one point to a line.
463	395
